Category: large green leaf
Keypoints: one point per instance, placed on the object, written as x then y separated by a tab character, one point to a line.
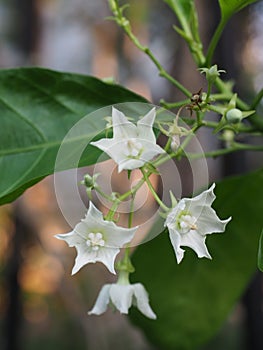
37	109
260	252
193	299
229	7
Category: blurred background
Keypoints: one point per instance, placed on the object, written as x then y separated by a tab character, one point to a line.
41	305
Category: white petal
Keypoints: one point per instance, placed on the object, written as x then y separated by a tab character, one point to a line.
92	220
103	144
205	198
71	238
121	297
122	127
130	164
142	301
208	222
116	236
175	238
170	220
118	150
85	256
107	257
93	212
197	242
102	301
144	126
150	150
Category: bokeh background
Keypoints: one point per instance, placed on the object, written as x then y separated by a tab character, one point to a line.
41	305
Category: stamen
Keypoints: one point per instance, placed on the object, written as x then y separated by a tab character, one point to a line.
186	222
95	240
133	148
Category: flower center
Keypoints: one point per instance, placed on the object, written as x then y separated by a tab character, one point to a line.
95	240
186	223
133	148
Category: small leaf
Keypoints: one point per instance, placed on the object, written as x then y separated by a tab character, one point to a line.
184	7
185	11
260	252
229	7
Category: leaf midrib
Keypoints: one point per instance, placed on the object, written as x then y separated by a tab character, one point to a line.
21	116
41	146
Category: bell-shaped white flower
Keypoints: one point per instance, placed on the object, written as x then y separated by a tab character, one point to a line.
131	146
97	240
121	296
191	220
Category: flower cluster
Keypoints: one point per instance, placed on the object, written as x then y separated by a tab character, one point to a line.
99	239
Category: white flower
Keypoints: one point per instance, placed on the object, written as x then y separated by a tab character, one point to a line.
131	146
191	220
97	240
121	297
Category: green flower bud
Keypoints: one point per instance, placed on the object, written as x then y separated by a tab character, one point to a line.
234	115
228	136
212	73
88	180
175	142
113	6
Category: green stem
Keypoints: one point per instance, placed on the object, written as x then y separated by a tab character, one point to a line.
257	100
121	198
220	152
125	24
240	128
168	145
162	72
199	118
186	141
155	195
208	92
131	213
104	195
170	105
221	96
214	41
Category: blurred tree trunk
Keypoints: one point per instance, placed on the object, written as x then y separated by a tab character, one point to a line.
24	36
13	314
26	29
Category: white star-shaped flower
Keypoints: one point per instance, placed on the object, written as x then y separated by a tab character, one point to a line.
96	239
191	220
131	146
121	297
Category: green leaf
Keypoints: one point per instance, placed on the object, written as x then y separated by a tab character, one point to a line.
184	10
229	7
193	299
186	13
37	109
260	252
182	7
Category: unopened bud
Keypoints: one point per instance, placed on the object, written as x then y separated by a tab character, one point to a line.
88	180
228	136
234	115
175	142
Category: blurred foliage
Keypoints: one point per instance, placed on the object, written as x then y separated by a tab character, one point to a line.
193	299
